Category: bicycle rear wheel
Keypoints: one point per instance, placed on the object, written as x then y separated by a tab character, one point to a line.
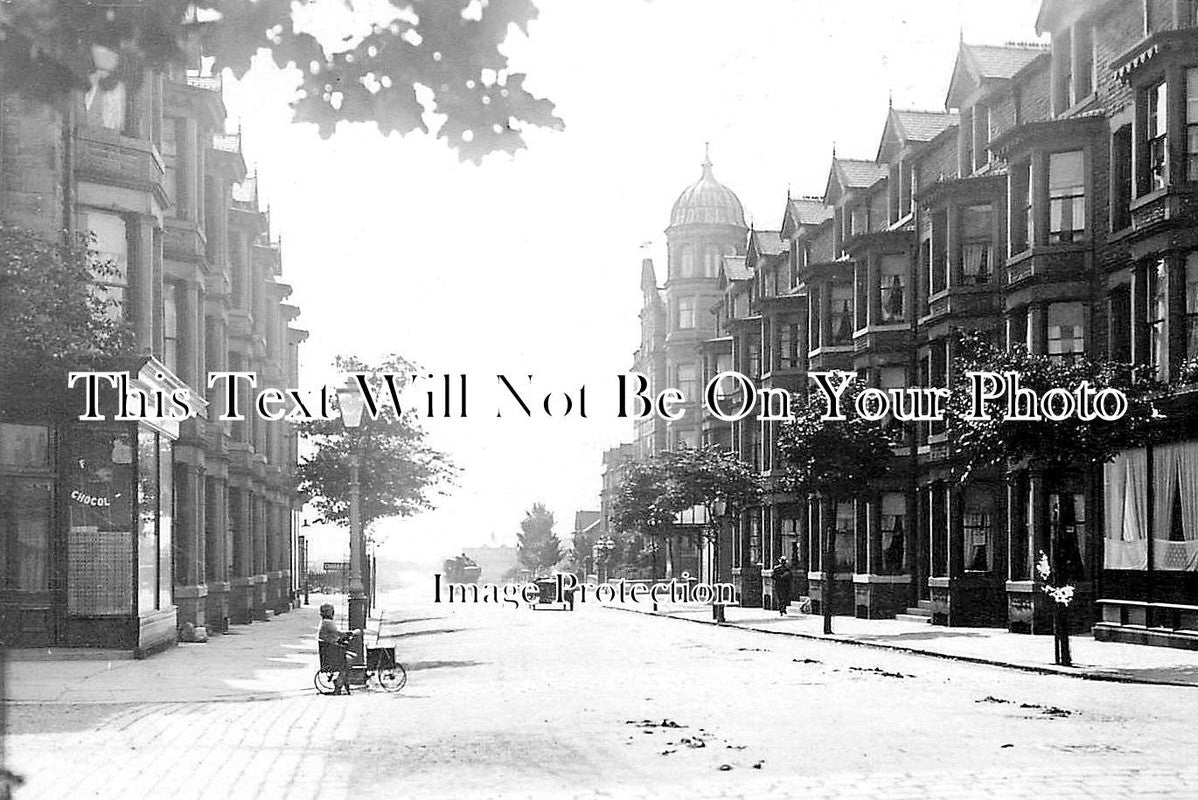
392	677
326	682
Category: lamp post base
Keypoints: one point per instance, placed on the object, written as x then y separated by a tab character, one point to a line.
357	621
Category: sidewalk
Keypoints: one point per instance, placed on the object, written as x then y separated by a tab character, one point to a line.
263	660
1110	661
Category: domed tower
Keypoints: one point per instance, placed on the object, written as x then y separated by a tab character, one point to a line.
706	224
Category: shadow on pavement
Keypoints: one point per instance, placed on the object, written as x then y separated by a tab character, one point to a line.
422	633
418	666
916	637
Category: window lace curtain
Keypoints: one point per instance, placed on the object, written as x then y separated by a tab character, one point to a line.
1176	468
1126	539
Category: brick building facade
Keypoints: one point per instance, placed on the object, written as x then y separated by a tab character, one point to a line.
1050	204
125	534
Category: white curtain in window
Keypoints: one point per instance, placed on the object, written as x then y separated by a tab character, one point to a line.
1176	470
1126	540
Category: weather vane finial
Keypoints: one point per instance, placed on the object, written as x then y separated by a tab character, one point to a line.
707	154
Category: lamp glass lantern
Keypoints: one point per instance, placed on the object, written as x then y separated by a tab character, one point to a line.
351	402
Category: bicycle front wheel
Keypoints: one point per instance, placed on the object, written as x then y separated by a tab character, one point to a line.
392	677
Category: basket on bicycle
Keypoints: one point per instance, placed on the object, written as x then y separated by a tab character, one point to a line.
378	658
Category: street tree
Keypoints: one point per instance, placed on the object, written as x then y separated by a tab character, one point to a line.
834	461
537	546
1056	448
387	63
53	316
656	491
401	474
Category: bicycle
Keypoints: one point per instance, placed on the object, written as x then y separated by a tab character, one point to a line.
380	665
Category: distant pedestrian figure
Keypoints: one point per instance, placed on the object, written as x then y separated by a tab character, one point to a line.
334	654
782	585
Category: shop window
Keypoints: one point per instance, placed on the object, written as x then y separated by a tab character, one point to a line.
1066	197
977	525
1021	207
686	313
893	529
110	244
841	321
24	447
977	244
892	287
1157	316
1191	307
26	512
166	517
100	514
1156	135
147	521
1066	329
1192	124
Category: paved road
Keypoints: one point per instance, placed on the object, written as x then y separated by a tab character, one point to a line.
605	703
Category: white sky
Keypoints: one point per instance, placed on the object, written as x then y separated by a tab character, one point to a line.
531	264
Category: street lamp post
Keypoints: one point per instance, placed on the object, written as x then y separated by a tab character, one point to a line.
718	509
351	403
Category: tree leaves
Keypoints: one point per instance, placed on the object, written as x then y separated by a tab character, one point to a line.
654	492
448	48
52	317
834	458
537	545
399	475
977	444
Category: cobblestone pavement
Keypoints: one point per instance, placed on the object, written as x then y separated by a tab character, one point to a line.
595	703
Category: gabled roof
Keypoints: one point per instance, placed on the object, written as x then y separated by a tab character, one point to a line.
986	63
734	268
851	173
904	126
810	210
766	243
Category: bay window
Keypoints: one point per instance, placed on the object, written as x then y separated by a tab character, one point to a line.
1066	197
1192	306
1192	124
1158	315
894	525
1066	329
1156	138
1021	207
892	287
840	327
788	345
686	313
938	268
977	248
108	108
110	243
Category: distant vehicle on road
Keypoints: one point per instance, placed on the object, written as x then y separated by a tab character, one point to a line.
461	569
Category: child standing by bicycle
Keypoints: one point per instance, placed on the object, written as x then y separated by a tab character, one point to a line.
333	637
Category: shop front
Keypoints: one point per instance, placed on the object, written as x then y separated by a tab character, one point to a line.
86	524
